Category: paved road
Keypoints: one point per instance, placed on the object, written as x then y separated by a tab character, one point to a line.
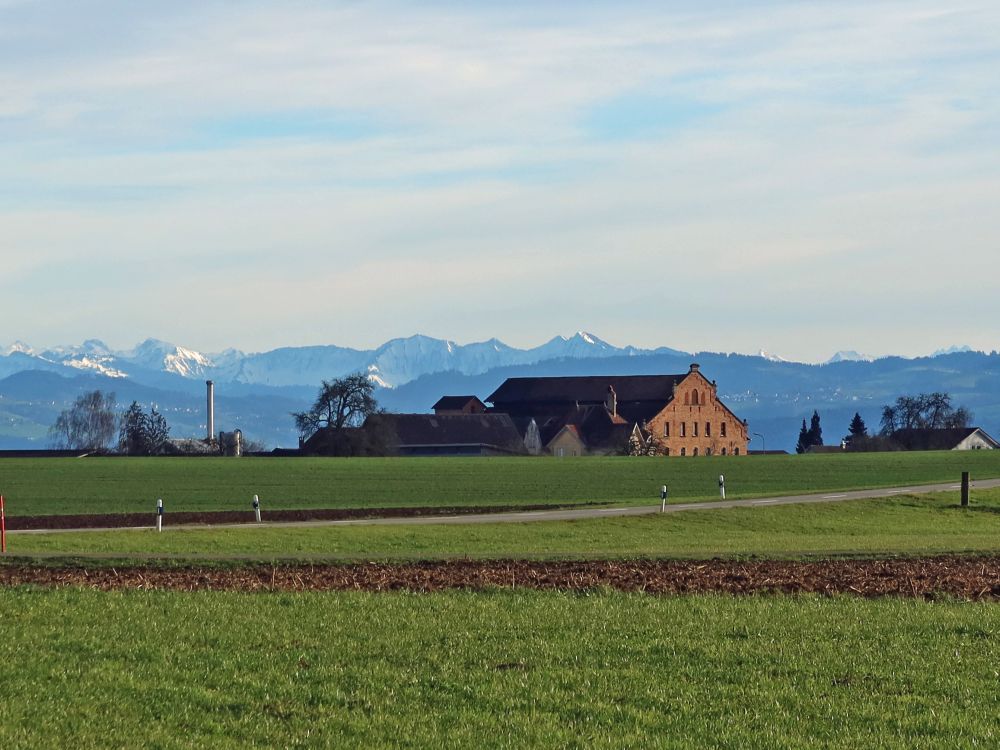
576	514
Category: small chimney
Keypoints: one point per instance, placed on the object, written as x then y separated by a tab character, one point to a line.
612	401
695	367
210	386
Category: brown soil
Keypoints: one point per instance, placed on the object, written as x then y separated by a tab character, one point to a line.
970	578
182	518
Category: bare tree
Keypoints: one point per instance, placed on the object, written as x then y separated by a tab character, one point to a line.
924	411
88	425
341	403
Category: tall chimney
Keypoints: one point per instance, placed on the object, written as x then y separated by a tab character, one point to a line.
612	401
211	409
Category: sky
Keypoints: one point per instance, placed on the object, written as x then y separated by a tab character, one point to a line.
802	177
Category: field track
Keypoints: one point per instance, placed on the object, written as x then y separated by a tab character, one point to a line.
444	514
967	578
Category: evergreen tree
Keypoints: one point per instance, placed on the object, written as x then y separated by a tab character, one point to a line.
815	431
857	429
803	445
142	434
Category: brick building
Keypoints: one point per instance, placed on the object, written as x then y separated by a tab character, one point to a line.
679	415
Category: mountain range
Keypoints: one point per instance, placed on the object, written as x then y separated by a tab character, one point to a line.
257	391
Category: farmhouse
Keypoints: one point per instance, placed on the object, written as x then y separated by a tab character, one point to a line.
960	439
678	415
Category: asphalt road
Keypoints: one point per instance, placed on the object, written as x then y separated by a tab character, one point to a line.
581	513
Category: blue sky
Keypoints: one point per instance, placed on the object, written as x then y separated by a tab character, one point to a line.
801	177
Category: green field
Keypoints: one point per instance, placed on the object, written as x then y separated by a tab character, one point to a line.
119	485
898	525
503	669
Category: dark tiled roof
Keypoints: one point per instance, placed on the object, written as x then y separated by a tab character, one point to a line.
592	424
455	403
455	429
931	440
588	389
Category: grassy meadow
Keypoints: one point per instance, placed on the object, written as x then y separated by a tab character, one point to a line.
902	524
122	485
503	669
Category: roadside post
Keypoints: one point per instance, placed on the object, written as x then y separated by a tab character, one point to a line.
3	528
663	499
159	515
965	489
722	486
256	508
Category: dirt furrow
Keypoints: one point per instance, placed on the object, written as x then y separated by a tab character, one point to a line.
975	578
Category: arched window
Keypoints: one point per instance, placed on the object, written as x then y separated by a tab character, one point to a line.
666	451
736	451
694	452
723	451
723	430
683	451
694	397
708	451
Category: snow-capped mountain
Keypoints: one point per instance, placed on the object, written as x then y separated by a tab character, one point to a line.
952	350
849	356
764	354
391	365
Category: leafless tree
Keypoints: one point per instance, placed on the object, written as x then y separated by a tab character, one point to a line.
88	425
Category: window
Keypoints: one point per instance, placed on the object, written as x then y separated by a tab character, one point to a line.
666	451
684	429
694	452
736	451
695	426
722	429
723	451
694	397
683	451
666	429
708	429
708	451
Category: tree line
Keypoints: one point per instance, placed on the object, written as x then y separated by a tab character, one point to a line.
93	424
925	411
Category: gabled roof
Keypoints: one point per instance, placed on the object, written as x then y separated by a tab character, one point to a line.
931	440
456	403
495	430
593	424
587	389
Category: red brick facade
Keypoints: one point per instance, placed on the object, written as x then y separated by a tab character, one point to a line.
696	423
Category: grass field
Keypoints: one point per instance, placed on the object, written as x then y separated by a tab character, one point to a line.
902	524
120	485
503	669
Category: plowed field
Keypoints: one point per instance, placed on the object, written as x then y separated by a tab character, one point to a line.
970	578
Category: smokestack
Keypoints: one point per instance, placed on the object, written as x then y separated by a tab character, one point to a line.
211	409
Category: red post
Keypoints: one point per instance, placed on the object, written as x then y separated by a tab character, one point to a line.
3	528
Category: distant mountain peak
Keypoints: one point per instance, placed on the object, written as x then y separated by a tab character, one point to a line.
764	354
961	349
18	347
849	355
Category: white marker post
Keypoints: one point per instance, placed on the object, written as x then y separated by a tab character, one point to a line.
663	499
722	486
159	515
256	507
